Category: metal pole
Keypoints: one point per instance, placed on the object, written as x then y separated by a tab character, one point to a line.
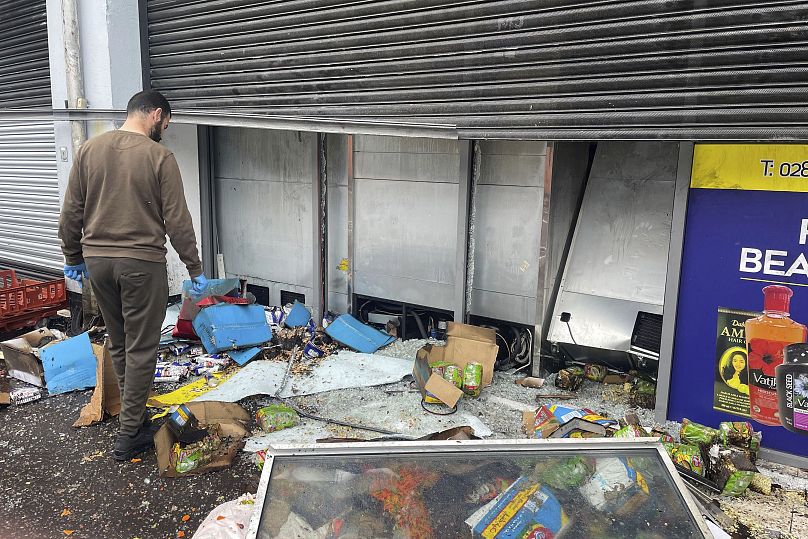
351	221
463	230
74	76
544	251
73	69
681	191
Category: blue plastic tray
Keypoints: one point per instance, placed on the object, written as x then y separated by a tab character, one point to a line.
352	333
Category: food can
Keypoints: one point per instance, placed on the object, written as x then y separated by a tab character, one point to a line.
453	374
472	379
438	367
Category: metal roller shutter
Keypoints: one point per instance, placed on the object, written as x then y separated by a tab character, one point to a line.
29	189
24	67
501	69
29	197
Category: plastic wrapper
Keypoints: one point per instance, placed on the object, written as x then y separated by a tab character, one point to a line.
662	435
688	456
198	454
526	510
595	372
569	473
276	417
737	433
548	419
260	459
570	379
643	395
741	435
616	487
229	520
22	395
696	434
730	469
631	431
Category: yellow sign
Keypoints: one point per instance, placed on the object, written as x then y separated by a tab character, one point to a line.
751	167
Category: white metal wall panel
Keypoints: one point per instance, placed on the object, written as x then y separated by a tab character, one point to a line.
406	219
29	197
508	230
263	194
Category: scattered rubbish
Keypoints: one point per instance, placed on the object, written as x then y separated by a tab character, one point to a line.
548	419
354	334
340	371
570	379
643	395
106	395
466	346
696	434
186	393
226	425
731	470
228	520
22	356
225	327
276	417
69	365
595	372
24	395
687	456
530	381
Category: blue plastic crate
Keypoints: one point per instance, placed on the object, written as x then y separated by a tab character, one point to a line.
226	327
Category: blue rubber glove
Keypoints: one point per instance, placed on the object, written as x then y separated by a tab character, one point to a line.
76	272
200	284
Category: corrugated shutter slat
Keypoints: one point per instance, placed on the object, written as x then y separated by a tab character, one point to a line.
692	68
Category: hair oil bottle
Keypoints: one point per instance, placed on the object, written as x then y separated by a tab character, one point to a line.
766	338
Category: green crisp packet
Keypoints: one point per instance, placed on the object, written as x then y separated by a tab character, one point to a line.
696	434
737	483
276	417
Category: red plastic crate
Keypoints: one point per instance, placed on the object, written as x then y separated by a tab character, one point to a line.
23	302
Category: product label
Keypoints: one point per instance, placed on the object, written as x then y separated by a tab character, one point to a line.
764	357
731	387
797	399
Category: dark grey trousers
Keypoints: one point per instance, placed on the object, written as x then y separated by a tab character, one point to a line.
132	296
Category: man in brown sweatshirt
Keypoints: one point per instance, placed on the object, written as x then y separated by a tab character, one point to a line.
123	196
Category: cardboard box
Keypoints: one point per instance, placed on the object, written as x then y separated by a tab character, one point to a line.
106	396
22	356
233	420
464	344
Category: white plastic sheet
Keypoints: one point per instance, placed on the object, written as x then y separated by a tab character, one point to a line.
341	371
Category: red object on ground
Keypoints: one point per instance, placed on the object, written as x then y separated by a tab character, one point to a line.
24	302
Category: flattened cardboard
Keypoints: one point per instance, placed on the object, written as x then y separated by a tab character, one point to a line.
21	355
465	344
106	396
5	396
578	427
230	416
446	391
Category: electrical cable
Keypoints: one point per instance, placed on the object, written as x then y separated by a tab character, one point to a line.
340	423
569	328
450	412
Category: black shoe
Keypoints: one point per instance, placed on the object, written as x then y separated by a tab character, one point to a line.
128	447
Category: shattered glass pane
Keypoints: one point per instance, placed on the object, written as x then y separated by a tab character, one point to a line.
525	494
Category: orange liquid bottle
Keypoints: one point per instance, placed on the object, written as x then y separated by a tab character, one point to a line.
766	337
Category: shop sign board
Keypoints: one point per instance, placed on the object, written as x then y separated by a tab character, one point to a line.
744	266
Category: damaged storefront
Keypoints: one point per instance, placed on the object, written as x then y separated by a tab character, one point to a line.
477	269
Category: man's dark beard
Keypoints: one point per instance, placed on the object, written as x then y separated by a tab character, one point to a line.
156	132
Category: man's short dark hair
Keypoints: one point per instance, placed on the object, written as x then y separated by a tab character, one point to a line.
146	101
